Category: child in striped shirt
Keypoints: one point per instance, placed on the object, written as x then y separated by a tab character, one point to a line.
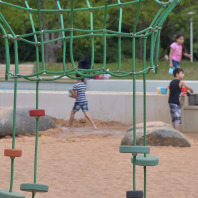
78	92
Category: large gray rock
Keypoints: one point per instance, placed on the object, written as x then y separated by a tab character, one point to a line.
157	134
24	123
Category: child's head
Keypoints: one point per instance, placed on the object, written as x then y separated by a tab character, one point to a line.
78	76
178	73
179	38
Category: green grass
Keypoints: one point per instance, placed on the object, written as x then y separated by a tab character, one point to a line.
190	69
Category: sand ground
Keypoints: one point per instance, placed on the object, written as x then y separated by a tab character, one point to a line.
87	164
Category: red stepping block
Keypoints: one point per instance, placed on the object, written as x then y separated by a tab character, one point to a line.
13	152
37	112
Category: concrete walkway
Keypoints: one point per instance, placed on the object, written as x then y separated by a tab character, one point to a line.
127	85
95	85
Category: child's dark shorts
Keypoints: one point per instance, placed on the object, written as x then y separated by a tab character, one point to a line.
175	111
80	105
176	64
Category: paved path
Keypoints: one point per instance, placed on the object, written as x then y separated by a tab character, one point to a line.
127	85
96	85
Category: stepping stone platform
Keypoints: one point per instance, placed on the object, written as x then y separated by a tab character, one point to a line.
7	194
34	187
149	160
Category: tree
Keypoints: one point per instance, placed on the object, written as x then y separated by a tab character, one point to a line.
178	21
50	22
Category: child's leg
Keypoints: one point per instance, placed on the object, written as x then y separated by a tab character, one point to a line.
176	126
175	111
90	119
71	119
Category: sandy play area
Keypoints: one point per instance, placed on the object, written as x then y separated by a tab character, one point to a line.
87	164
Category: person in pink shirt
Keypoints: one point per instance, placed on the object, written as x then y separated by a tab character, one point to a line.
177	49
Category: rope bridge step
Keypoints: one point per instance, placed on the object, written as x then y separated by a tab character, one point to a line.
37	113
13	152
149	160
135	194
134	149
7	194
34	187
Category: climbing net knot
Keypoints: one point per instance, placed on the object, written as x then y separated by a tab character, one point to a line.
38	44
133	35
41	32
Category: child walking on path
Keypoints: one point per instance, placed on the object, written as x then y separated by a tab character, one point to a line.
176	51
81	102
174	96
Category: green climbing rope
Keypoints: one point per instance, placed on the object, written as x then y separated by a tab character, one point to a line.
153	31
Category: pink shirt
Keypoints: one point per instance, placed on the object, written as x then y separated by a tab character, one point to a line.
177	52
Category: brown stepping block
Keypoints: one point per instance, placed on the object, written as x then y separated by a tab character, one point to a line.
13	152
36	112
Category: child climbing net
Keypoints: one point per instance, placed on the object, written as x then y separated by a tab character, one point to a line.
152	32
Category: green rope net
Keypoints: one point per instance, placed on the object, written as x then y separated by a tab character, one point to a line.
152	32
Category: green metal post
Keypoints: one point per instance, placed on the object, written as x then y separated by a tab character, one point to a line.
7	58
14	112
72	33
144	85
119	38
13	134
63	34
134	114
92	35
41	35
105	36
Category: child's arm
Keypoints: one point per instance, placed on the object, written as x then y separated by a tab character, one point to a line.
187	55
182	83
170	57
74	93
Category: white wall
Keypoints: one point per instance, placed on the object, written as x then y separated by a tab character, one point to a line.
106	106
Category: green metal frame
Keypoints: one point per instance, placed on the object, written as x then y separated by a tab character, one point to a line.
153	31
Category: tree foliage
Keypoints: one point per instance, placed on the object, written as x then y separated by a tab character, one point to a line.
178	21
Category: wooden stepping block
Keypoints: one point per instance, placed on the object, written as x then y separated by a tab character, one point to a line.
7	194
34	187
37	112
13	152
149	160
135	194
134	149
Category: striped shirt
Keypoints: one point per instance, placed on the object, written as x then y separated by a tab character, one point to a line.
80	87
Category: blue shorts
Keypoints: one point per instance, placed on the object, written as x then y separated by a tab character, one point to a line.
176	64
80	105
175	111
